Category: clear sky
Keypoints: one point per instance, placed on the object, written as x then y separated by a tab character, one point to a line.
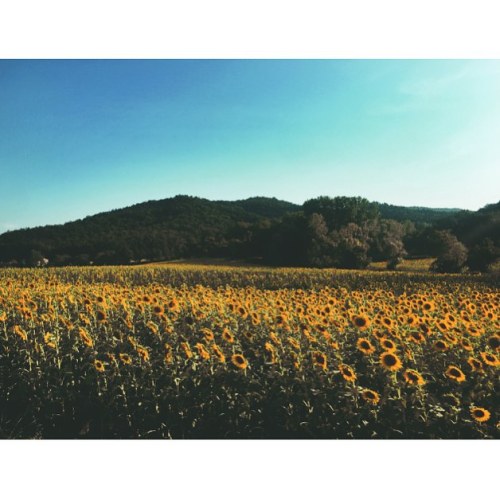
80	137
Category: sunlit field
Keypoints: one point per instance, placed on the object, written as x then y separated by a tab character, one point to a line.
194	351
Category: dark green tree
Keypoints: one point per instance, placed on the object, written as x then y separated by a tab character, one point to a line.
483	255
452	255
341	210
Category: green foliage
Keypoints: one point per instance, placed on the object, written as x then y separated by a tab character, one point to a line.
342	210
324	232
452	254
483	256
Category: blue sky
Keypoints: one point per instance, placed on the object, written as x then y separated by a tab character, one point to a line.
80	137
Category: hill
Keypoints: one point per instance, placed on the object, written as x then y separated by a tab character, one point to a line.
420	215
187	227
183	226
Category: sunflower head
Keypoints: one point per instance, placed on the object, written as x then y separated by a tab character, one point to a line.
440	346
101	316
219	353
157	309
365	346
143	353
227	336
125	358
417	337
412	377
388	345
347	372
319	359
361	321
99	365
239	361
370	396
390	361
475	364
455	373
480	414
490	359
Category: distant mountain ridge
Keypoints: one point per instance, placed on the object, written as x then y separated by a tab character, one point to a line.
182	226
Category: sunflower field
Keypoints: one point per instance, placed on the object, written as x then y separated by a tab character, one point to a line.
185	351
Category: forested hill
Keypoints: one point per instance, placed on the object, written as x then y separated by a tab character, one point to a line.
182	226
417	214
325	231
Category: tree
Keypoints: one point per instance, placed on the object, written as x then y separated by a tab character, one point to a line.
452	254
35	258
483	255
341	210
351	244
289	241
319	246
387	241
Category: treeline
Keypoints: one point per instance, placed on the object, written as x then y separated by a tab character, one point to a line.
344	232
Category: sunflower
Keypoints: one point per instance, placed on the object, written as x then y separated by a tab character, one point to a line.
347	372
417	337
202	351
480	414
388	345
489	359
87	339
428	306
271	354
219	353
365	346
450	319
440	345
143	353
426	329
442	326
187	350
296	360
20	332
372	397
475	364
360	321
169	356
227	336
125	358
411	320
158	310
390	361
412	377
242	311
153	327
208	334
452	339
474	331
101	316
319	359
50	340
239	361
293	342
248	335
173	305
455	373
281	319
99	365
466	344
